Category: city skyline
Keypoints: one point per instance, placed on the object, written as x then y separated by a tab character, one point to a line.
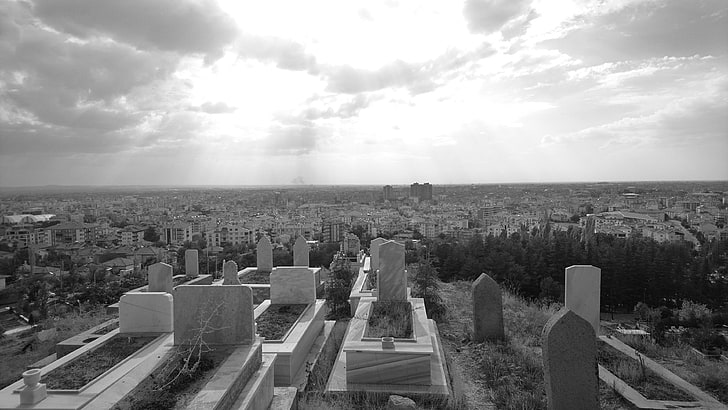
207	93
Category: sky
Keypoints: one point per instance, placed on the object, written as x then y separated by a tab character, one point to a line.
204	92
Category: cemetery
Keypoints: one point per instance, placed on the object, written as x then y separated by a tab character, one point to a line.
205	344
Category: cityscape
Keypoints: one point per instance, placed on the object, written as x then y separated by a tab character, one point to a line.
385	204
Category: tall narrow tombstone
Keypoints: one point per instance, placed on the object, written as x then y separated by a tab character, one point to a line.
374	253
220	315
192	266
583	285
230	273
264	255
292	285
392	279
160	278
487	309
570	367
300	252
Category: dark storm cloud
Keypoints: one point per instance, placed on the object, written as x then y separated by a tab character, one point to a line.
673	28
184	26
487	16
286	54
61	95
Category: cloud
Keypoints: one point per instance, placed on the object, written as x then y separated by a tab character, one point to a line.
184	26
286	54
216	108
350	80
292	136
487	16
647	29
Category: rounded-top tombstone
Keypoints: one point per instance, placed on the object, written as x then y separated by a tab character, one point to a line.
570	367
487	309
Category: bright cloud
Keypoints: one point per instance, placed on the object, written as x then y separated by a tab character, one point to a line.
244	92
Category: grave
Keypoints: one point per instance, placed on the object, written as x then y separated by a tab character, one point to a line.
487	310
261	290
391	279
192	267
300	252
570	362
230	273
294	285
160	278
409	365
145	312
583	286
264	255
374	252
82	339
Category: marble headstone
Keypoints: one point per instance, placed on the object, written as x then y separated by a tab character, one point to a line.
227	310
160	278
230	273
264	255
292	284
392	279
146	312
570	367
487	309
374	253
192	267
300	252
583	285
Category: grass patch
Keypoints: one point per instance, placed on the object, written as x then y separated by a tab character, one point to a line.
390	318
514	375
255	277
278	319
638	376
708	375
319	375
90	365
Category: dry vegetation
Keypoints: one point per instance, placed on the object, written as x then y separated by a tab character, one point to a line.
14	360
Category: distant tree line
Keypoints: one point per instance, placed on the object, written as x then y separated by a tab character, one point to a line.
635	269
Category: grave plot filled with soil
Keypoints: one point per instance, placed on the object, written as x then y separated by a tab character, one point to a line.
638	376
255	277
390	318
90	365
278	319
171	386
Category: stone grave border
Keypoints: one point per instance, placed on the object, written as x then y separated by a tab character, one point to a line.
297	344
75	399
703	400
90	347
439	381
76	342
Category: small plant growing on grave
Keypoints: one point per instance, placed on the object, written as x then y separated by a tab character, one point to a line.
190	360
338	287
427	288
